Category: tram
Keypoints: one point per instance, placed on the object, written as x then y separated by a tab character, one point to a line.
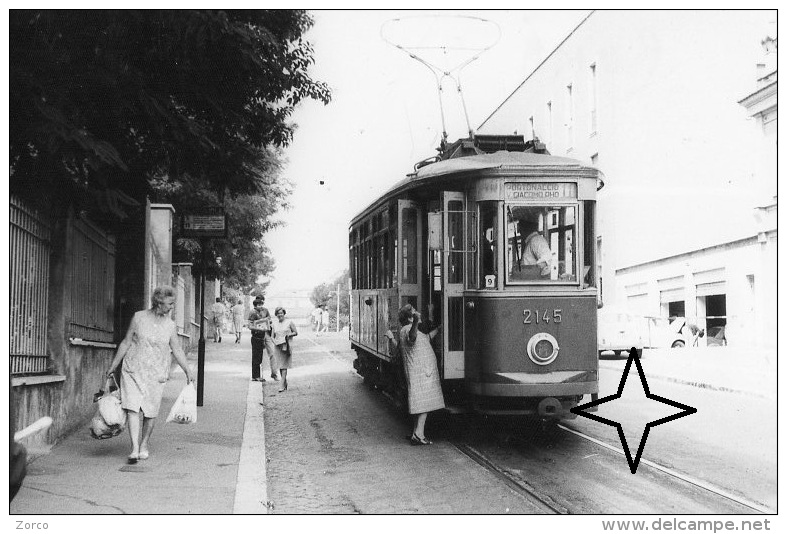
493	240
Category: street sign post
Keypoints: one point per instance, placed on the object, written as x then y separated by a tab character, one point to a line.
209	223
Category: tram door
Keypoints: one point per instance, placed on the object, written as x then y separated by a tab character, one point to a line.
454	243
409	255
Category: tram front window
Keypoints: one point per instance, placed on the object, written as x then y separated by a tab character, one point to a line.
540	243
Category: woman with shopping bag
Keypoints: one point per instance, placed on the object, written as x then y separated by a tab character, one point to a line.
145	353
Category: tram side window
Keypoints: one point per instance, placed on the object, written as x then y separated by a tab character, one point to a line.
589	267
472	233
393	241
540	243
455	245
354	258
409	246
488	243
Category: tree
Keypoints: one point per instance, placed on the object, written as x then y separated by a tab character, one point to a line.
183	106
113	98
325	293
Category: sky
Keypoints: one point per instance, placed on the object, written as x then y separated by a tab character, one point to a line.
385	114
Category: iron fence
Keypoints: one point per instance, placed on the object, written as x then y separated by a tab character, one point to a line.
92	291
29	248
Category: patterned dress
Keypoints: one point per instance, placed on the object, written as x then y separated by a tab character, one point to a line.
238	315
424	393
146	364
282	349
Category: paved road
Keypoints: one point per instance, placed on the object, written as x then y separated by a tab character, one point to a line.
715	445
336	447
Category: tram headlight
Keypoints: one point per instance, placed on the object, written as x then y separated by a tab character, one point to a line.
542	348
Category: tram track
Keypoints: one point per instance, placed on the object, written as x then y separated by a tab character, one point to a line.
701	484
509	480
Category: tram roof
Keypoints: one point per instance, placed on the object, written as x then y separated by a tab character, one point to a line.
501	160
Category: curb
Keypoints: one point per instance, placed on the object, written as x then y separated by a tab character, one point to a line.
251	489
696	384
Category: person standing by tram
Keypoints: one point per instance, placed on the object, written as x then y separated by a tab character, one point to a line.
424	393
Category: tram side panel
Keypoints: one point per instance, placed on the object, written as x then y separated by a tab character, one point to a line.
355	324
375	312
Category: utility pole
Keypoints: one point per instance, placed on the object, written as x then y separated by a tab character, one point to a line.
338	299
208	223
201	343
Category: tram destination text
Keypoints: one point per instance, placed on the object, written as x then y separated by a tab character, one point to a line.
540	191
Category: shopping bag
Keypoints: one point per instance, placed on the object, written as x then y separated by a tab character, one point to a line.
109	405
99	428
185	408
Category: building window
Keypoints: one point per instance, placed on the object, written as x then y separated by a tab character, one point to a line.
549	122
570	118
593	102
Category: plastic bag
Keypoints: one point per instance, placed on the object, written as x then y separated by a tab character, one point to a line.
110	418
110	409
184	410
99	428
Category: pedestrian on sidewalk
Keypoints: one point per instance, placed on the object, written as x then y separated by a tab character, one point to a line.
283	330
424	393
218	311
325	321
145	355
260	326
238	312
316	317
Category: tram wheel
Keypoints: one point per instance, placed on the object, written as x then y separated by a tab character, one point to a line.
679	344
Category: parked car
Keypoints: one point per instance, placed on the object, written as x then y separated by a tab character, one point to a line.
619	330
677	333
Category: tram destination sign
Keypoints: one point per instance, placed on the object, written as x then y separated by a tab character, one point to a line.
208	222
540	191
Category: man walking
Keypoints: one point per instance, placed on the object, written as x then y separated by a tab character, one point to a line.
260	326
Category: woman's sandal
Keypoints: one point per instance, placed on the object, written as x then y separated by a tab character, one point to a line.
415	440
132	458
143	455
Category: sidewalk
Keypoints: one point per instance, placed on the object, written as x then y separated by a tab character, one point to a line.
191	469
728	369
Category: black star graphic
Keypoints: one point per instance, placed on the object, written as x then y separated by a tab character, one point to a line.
634	357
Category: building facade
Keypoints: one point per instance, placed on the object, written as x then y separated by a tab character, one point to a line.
657	100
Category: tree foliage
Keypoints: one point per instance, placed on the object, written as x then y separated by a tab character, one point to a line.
325	293
112	98
185	106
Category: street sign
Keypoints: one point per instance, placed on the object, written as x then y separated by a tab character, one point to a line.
208	222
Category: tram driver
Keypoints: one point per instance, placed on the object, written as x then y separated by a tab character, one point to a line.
536	253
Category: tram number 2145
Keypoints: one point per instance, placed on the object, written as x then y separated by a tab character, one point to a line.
536	316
